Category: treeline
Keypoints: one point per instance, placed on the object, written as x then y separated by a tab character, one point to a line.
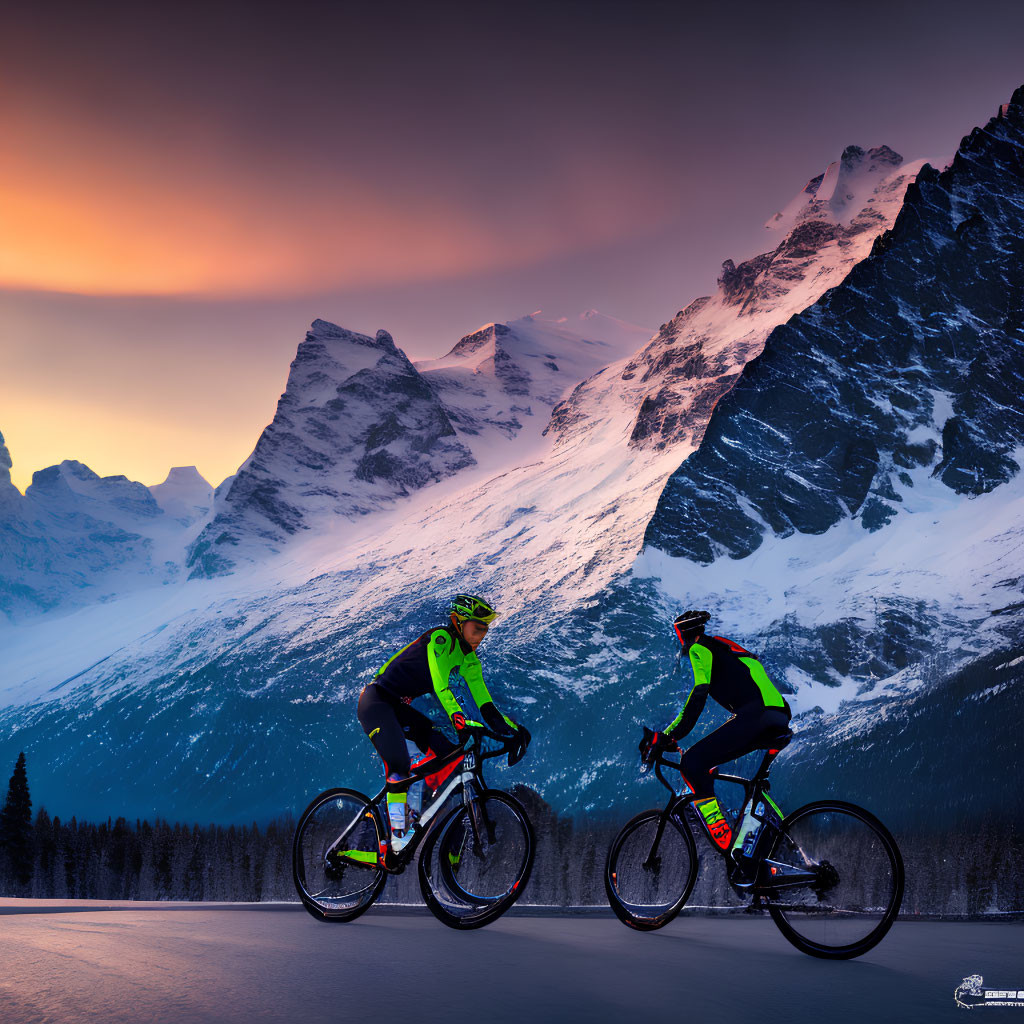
46	858
118	860
962	874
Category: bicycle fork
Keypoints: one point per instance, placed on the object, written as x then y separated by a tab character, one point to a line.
480	823
653	862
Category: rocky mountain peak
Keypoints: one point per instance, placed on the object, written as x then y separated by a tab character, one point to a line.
356	428
675	380
872	159
184	476
844	191
325	330
184	495
908	371
75	482
478	339
5	462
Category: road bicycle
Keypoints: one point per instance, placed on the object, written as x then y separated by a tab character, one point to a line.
475	860
830	874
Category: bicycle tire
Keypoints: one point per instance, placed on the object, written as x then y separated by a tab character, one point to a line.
463	908
826	827
623	882
309	870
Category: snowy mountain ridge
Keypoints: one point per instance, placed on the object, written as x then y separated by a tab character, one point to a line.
200	681
857	501
77	537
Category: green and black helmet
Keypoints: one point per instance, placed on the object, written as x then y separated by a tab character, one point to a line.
466	606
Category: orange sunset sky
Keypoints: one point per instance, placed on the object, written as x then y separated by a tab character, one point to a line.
183	189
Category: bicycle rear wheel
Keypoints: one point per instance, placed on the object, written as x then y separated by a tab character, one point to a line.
858	880
650	871
336	856
475	864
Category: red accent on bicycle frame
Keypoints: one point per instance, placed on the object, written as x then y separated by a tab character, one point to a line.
424	759
438	779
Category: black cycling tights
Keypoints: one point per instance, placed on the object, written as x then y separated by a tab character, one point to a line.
747	730
388	721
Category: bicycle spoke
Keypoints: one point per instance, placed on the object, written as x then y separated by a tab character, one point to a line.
336	859
854	880
650	871
474	867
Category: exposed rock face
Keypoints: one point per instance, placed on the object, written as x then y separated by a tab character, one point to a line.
9	494
917	359
672	384
356	428
72	478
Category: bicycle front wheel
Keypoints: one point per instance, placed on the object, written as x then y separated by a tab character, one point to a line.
857	885
336	856
475	864
651	869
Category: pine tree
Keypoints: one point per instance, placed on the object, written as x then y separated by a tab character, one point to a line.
16	829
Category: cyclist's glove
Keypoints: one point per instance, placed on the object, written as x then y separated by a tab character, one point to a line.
495	721
654	742
518	744
662	741
463	725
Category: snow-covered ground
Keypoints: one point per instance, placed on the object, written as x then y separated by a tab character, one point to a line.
949	557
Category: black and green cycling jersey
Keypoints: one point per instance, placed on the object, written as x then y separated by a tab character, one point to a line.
728	674
425	666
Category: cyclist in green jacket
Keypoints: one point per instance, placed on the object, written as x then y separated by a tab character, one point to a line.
421	667
734	678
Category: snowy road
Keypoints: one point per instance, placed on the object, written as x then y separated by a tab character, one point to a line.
281	966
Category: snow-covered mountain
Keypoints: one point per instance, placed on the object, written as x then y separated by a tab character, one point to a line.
359	426
75	537
355	429
184	495
671	385
778	450
847	193
504	378
866	466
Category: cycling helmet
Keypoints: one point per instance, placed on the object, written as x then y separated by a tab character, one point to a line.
466	606
690	625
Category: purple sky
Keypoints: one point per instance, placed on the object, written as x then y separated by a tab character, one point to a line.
185	187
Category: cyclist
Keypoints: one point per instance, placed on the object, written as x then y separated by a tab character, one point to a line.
424	666
734	678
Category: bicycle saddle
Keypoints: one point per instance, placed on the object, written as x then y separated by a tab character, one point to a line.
779	741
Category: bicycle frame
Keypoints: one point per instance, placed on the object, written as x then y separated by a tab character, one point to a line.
469	779
779	876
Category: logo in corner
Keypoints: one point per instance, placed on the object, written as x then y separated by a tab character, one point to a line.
969	994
